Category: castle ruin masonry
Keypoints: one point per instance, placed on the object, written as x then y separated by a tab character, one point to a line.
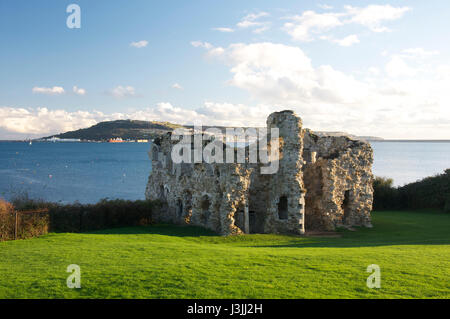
322	182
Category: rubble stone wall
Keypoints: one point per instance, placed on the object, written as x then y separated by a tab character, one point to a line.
338	177
322	183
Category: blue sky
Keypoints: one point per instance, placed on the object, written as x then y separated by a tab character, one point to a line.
365	67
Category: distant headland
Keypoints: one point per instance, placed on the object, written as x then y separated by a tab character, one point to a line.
145	131
135	130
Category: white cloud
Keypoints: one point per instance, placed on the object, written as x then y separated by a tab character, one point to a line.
223	29
419	53
262	29
345	42
325	6
443	72
303	28
23	123
250	20
38	122
397	67
212	50
200	44
276	72
123	91
211	113
374	71
308	25
372	16
398	106
177	86
78	91
348	41
408	62
329	100
216	51
56	90
139	44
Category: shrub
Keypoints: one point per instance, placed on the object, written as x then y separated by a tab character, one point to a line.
15	224
41	217
5	207
32	224
104	214
431	192
385	196
7	220
447	205
23	202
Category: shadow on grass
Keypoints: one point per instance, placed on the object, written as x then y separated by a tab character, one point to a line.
159	229
390	228
349	243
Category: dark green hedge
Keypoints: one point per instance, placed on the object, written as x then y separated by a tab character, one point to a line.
385	196
41	217
103	215
430	192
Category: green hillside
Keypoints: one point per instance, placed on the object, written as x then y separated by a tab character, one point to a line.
132	129
125	129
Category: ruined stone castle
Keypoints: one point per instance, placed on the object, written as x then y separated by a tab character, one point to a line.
322	182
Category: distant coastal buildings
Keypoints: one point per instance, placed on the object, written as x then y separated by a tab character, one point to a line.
120	140
57	139
72	140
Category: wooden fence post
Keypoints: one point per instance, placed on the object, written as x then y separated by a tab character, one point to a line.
16	225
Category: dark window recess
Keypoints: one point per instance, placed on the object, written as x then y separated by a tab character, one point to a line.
205	210
252	218
239	220
179	208
162	194
283	208
345	205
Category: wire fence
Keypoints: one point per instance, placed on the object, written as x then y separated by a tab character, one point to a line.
24	224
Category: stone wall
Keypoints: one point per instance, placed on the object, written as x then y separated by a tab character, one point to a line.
338	177
321	183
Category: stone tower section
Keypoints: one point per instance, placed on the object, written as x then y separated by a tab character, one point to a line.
286	193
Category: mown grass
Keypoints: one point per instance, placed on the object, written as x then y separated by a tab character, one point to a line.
412	249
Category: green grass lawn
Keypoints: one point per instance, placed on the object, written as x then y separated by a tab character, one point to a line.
412	249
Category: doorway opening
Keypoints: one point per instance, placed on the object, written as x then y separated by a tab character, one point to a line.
205	209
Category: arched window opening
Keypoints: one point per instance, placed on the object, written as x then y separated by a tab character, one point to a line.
205	207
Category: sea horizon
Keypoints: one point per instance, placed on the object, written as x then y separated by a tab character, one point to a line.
87	172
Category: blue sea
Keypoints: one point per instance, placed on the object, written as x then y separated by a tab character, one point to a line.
69	172
88	172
